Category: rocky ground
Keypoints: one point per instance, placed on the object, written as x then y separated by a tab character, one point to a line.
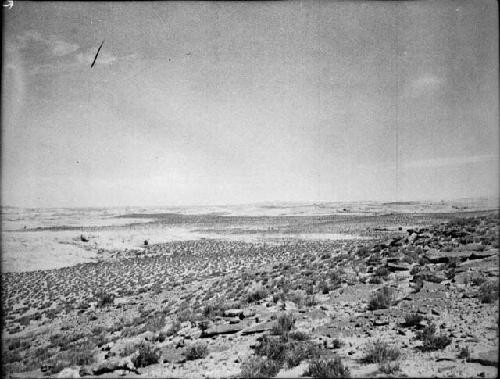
420	301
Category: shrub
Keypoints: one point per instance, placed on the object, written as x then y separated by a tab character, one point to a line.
465	354
11	357
431	341
413	319
82	356
296	352
173	329
186	314
381	352
256	295
381	271
147	355
381	300
259	367
196	351
337	343
389	367
214	309
284	325
154	322
336	277
375	280
477	280
488	292
311	301
324	288
298	298
273	348
321	368
104	299
298	336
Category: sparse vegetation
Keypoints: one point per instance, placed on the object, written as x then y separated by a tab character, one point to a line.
322	368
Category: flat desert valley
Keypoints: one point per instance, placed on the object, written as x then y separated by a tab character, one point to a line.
404	289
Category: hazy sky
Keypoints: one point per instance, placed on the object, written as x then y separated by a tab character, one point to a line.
213	103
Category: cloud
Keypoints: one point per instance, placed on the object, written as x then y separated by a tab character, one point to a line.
50	45
431	162
51	54
424	85
61	48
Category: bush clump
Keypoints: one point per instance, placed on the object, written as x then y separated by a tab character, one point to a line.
147	355
298	336
284	325
488	292
431	341
322	368
256	295
381	352
104	299
196	351
413	319
382	272
465	353
273	348
381	300
259	367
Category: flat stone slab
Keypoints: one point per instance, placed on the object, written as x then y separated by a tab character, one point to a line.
259	328
444	257
482	254
398	266
223	329
485	358
233	312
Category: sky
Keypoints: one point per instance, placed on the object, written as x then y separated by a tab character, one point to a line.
232	102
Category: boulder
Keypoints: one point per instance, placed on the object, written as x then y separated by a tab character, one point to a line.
434	277
69	372
113	364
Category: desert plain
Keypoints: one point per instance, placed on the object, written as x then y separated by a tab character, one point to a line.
404	289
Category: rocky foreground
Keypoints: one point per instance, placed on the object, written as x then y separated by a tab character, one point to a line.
412	302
